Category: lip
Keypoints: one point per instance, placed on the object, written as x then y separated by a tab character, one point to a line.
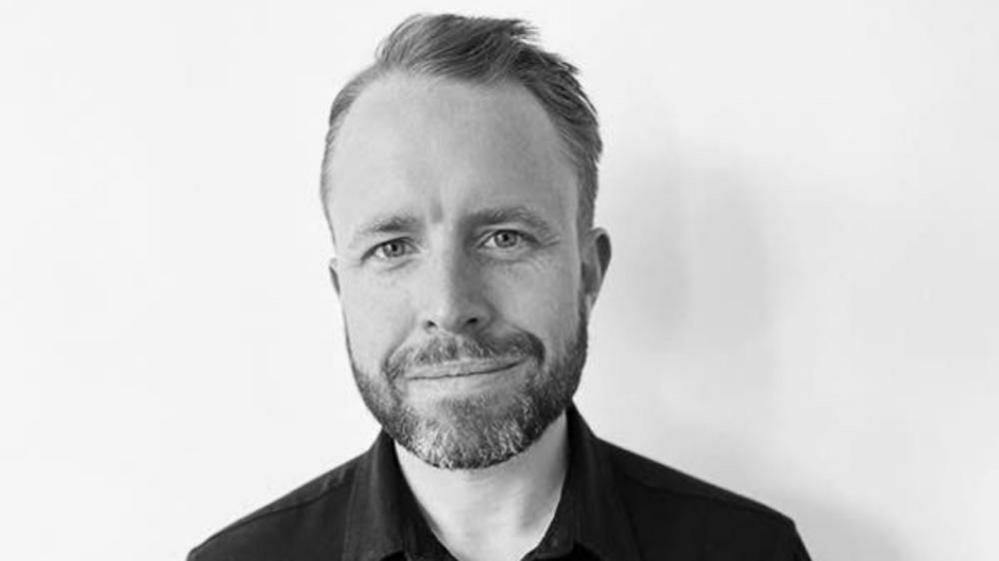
462	369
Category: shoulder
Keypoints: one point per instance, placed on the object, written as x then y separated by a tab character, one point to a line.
671	508
273	531
668	483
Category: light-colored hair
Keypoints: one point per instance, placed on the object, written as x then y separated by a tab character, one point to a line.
485	51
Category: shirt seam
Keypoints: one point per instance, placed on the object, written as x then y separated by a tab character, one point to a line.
723	501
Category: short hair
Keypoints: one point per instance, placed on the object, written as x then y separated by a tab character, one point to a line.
486	51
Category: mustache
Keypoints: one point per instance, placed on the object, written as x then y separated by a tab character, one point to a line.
442	350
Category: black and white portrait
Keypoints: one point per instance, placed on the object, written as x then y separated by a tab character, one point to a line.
498	280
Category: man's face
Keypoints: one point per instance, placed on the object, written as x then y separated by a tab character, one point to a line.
459	266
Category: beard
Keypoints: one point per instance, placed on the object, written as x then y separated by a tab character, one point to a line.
486	428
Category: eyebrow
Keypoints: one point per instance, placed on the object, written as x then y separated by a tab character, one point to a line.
406	223
522	214
385	224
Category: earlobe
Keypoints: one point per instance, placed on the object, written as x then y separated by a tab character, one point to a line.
334	278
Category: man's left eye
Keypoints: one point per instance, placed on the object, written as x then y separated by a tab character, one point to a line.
506	239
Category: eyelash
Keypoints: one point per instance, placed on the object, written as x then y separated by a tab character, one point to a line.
380	247
521	237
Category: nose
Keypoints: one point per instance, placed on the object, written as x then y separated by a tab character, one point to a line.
453	296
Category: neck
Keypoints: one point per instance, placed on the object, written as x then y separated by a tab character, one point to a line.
499	512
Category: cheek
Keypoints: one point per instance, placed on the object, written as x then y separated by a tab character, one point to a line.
545	303
376	319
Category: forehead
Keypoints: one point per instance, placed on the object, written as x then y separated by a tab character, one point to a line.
439	147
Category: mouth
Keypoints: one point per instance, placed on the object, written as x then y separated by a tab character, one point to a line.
462	369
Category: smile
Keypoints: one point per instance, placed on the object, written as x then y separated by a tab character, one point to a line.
461	369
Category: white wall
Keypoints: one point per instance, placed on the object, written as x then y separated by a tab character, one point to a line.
802	303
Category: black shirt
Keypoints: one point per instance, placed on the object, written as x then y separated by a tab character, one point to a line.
615	506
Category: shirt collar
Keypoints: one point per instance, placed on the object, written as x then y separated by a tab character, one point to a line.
383	518
592	512
373	525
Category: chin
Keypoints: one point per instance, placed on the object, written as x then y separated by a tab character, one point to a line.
473	422
473	432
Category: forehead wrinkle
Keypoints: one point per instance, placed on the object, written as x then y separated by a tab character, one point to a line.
383	141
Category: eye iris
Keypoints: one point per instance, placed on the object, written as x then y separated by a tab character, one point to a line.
392	249
506	239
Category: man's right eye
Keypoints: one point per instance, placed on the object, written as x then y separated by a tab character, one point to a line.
392	249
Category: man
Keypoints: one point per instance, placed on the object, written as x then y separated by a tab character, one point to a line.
459	183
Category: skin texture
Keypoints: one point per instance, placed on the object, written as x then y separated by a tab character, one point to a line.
465	288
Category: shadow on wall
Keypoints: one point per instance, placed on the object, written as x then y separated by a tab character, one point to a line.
699	299
830	527
836	534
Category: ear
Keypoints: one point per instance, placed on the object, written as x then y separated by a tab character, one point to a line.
596	256
334	277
